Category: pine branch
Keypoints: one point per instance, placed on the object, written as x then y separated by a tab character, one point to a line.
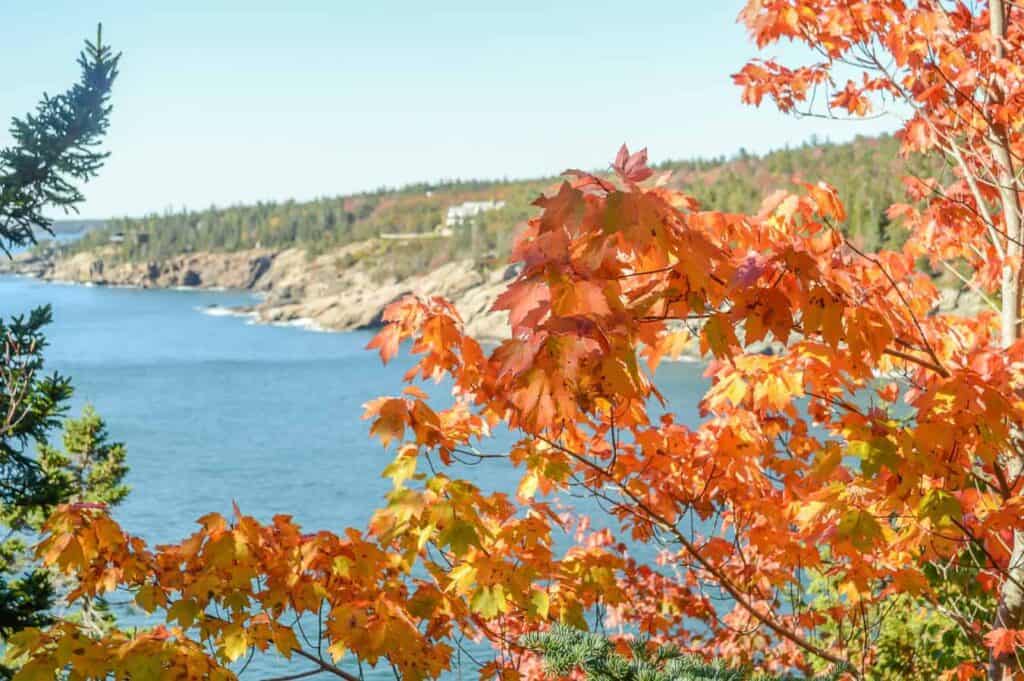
566	649
55	148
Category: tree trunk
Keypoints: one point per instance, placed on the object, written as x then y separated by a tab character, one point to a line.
1010	608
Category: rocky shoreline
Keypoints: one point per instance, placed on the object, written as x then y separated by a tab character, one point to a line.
334	291
325	292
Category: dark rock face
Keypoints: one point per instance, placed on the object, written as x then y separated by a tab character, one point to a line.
257	269
377	321
152	271
191	278
96	269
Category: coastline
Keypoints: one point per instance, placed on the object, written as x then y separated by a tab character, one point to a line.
292	288
318	293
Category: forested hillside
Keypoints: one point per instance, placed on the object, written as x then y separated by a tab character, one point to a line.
867	173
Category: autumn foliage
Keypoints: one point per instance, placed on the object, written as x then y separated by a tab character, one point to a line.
878	451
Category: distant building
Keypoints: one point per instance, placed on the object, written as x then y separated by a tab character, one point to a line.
117	237
440	232
470	209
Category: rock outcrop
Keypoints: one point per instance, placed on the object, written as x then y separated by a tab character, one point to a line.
322	291
27	264
208	270
334	291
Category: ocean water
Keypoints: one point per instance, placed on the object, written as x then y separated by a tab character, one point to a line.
214	410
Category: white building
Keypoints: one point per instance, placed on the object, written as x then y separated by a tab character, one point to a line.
470	209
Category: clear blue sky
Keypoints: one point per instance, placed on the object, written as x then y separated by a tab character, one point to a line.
222	102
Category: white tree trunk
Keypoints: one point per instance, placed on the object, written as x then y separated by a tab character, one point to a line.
1010	609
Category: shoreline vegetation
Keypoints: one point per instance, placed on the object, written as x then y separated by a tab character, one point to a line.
335	264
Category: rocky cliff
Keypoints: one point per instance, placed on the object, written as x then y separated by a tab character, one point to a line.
332	291
340	290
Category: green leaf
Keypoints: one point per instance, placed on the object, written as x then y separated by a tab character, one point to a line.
541	604
939	506
718	336
459	536
489	601
874	454
860	528
401	469
184	611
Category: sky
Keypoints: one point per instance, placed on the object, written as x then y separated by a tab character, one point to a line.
222	102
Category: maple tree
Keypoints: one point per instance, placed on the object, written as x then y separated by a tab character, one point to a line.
877	453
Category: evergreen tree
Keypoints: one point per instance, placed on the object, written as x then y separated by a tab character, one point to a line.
566	650
867	173
89	468
54	148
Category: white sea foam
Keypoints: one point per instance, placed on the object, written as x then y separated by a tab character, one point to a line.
304	323
219	311
86	284
252	318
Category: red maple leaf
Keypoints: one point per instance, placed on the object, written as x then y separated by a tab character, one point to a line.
1004	641
632	167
